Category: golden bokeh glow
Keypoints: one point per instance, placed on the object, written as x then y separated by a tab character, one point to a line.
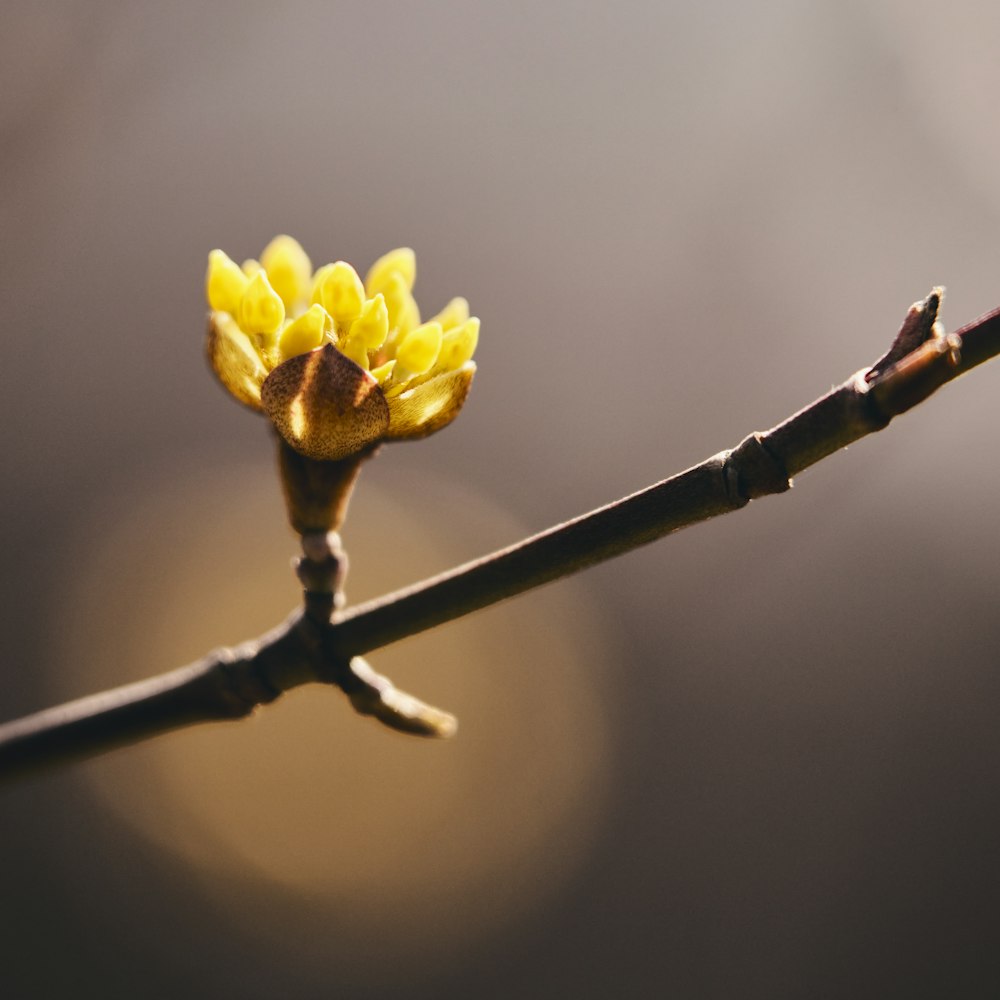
428	845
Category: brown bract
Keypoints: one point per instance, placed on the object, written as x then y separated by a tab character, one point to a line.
234	359
324	405
430	405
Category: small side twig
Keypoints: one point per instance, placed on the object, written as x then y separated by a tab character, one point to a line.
323	643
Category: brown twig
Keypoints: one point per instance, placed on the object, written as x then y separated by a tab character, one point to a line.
308	647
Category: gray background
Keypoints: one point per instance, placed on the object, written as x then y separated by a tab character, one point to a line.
679	223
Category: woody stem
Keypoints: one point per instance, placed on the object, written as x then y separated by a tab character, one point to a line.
312	646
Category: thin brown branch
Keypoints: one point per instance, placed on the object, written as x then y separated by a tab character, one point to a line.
229	684
761	464
226	684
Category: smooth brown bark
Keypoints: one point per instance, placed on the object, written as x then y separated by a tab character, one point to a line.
319	644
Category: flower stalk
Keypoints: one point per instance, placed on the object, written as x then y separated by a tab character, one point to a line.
338	366
317	495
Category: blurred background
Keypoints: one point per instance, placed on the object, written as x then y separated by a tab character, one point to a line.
759	759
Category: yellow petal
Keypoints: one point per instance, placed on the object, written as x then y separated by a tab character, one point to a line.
324	405
288	269
250	267
459	344
383	372
401	261
402	307
317	283
235	360
354	348
261	308
419	349
225	283
431	405
372	325
454	313
409	318
341	294
306	333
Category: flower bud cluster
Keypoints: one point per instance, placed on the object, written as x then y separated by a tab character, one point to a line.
337	363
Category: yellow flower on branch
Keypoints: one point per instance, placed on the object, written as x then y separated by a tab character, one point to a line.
337	364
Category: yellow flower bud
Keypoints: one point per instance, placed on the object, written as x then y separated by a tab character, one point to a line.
351	369
288	269
353	347
459	344
225	283
372	326
418	351
404	314
341	294
317	283
402	261
409	317
306	333
261	308
455	312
